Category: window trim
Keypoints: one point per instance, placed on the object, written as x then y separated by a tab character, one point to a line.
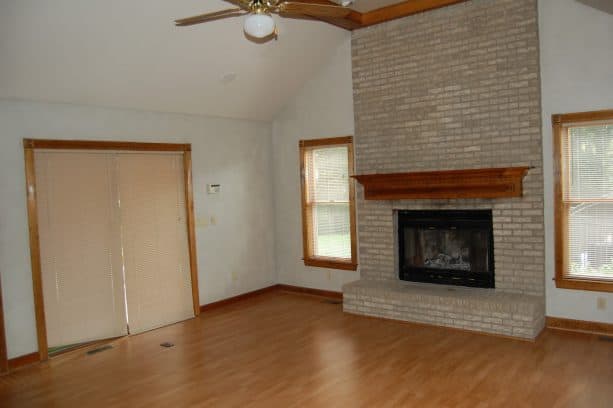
561	214
308	257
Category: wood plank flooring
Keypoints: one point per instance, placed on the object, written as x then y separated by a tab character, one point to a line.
287	350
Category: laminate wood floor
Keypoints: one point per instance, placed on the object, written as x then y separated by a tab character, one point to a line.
286	350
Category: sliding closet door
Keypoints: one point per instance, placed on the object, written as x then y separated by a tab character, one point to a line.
154	236
81	263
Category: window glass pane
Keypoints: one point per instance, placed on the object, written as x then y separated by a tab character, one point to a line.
331	232
330	174
590	240
590	162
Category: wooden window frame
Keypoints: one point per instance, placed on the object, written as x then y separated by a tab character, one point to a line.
308	257
30	145
560	130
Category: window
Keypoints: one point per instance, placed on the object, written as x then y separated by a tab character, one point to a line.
328	208
584	200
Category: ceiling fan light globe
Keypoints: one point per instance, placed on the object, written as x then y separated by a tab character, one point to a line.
259	25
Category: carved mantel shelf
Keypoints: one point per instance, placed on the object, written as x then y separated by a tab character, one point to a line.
474	183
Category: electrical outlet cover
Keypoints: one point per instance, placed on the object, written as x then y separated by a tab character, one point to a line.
601	303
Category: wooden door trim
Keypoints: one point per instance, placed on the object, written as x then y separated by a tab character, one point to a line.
22	361
105	145
191	230
37	282
32	144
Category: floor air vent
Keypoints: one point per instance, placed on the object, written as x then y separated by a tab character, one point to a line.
606	338
99	349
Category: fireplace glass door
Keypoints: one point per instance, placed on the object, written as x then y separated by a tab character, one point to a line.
446	247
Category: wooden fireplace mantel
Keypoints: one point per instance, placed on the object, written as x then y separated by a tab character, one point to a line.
474	183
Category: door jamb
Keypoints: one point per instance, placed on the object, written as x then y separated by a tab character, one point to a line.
32	144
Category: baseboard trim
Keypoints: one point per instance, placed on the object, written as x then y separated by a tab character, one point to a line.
24	360
233	299
583	326
310	291
274	288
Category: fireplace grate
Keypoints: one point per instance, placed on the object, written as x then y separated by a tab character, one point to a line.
606	338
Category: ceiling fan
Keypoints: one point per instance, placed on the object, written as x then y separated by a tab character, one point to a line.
259	22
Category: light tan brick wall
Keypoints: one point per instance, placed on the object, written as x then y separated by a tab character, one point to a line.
507	314
454	88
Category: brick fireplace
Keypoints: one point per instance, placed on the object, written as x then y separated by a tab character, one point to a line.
455	88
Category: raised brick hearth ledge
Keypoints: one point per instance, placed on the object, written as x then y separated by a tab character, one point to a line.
483	310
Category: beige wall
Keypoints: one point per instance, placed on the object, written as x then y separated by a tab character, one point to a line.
234	256
323	108
576	61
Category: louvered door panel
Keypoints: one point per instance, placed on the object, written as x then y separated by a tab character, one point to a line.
80	253
154	237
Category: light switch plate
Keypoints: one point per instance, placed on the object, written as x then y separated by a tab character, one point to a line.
213	188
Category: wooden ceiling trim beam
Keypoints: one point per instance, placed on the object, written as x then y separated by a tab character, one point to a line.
345	23
351	22
356	20
403	9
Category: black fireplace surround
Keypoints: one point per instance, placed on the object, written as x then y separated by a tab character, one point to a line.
448	247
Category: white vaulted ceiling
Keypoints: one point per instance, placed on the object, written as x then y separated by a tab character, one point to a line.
128	54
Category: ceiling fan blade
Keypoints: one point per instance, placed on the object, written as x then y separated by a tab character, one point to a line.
203	18
313	9
244	4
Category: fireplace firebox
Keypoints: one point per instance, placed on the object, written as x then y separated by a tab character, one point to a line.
448	247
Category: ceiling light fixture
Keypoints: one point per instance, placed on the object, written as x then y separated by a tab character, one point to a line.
259	25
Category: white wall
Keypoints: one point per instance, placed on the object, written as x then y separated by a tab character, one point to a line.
577	75
234	256
129	54
323	108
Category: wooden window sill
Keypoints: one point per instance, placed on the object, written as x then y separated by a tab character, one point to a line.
331	263
595	285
